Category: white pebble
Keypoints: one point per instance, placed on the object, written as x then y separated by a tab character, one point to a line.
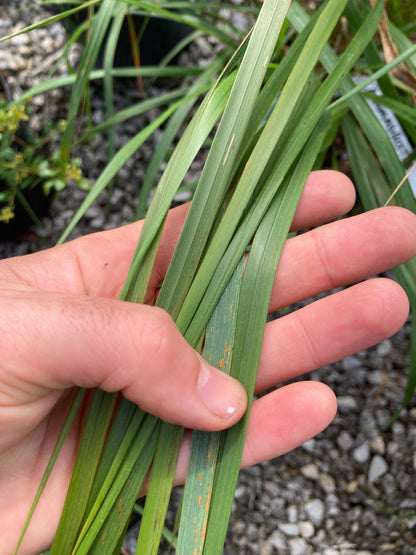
315	510
289	529
327	482
378	467
361	454
310	471
278	540
306	528
297	546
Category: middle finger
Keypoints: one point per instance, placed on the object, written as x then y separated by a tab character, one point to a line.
343	252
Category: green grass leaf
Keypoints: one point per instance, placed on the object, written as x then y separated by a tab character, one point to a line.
218	348
87	461
51	463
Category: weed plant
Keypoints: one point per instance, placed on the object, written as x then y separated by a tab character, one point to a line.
25	164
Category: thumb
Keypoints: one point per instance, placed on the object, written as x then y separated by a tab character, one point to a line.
53	341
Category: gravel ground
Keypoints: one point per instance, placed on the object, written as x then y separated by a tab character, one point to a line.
351	490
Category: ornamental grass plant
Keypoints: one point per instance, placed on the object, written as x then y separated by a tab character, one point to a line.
271	107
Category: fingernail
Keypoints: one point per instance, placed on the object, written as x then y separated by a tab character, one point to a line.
221	394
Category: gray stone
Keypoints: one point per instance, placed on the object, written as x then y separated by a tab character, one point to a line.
292	514
298	546
367	420
271	488
289	529
376	377
351	362
378	467
306	528
327	482
315	509
251	532
384	348
310	471
398	429
278	540
347	403
345	441
310	445
361	454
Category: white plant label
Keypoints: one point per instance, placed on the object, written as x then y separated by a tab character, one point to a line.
393	128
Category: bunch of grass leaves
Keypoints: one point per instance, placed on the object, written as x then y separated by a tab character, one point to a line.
273	119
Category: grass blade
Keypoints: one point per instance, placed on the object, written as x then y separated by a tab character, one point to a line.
380	73
135	110
218	347
373	189
84	471
55	453
69	80
50	20
127	473
185	152
109	54
169	135
115	165
161	480
89	57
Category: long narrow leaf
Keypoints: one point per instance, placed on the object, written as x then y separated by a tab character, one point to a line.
218	348
184	154
80	395
160	485
87	63
49	20
115	165
109	54
83	475
69	80
373	189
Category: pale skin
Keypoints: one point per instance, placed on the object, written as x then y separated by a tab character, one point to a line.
61	326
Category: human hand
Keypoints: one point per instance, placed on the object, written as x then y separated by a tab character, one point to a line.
61	326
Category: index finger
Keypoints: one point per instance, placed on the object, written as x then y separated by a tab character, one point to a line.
98	264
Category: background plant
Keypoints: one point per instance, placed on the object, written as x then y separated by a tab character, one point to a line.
25	163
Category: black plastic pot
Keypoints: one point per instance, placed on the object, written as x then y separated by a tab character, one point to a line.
158	38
